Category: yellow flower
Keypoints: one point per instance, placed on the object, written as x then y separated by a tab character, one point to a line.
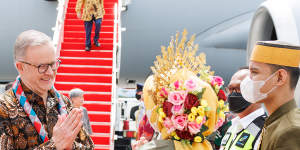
173	133
204	103
194	110
198	139
200	110
160	110
160	119
162	114
199	119
222	115
176	137
221	103
191	117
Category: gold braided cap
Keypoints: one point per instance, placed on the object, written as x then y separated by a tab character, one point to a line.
276	52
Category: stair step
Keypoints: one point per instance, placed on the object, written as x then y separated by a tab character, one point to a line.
106	5
91	54
82	40
84	87
74	16
82	78
100	128
99	117
81	28
103	46
77	61
86	70
81	34
98	97
80	22
107	10
101	140
102	147
97	107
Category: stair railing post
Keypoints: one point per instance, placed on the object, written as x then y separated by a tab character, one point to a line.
59	25
114	74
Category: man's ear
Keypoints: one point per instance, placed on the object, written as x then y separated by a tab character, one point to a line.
19	66
282	77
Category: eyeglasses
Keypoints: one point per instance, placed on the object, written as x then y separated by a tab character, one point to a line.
42	68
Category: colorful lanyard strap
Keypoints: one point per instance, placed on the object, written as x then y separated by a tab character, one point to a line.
19	93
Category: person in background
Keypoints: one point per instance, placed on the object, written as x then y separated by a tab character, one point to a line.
33	114
93	11
145	131
77	99
246	128
274	73
140	108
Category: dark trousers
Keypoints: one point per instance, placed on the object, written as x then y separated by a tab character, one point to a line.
88	25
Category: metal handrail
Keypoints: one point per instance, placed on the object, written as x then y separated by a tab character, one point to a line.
116	62
59	25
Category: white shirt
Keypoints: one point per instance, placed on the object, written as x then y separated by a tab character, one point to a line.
239	124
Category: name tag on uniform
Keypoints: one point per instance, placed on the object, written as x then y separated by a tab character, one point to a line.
243	140
225	138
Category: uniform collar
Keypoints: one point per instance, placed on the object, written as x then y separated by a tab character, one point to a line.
283	109
245	121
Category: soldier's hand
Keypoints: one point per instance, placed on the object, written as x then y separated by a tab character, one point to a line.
66	129
79	15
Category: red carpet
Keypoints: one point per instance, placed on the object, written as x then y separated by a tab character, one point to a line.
90	71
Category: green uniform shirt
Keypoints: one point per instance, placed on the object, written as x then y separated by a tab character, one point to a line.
282	129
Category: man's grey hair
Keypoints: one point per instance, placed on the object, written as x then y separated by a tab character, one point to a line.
27	39
76	93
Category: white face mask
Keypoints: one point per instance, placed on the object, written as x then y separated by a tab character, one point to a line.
251	89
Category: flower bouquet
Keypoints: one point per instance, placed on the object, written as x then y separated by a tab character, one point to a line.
183	99
184	110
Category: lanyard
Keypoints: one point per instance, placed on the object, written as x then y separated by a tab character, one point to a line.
19	93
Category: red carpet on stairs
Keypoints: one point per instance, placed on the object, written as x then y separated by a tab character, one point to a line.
90	71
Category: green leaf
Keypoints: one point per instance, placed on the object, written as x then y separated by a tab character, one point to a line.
207	109
199	95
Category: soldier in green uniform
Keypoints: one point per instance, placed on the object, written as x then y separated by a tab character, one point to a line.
274	72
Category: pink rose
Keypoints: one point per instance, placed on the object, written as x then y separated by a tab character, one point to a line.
177	109
194	127
204	120
163	92
190	85
216	80
176	84
177	97
169	125
179	121
219	123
